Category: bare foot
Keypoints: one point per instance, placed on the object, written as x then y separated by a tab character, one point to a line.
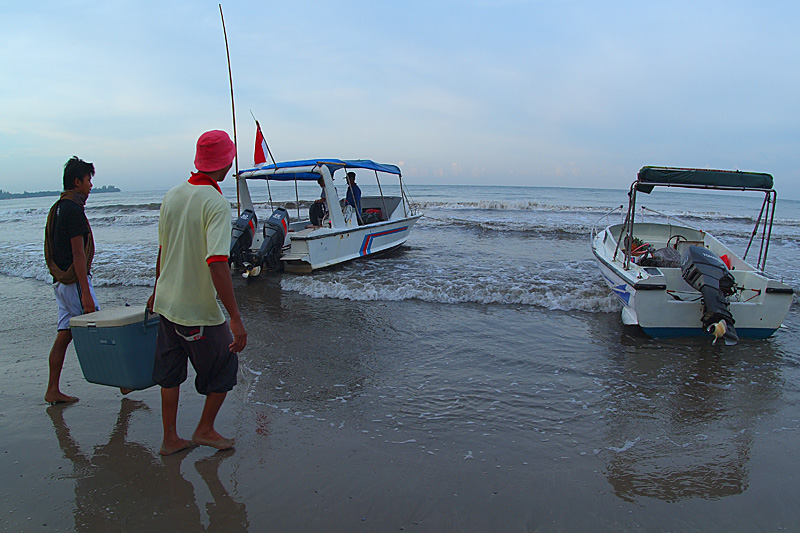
169	448
123	390
59	397
215	440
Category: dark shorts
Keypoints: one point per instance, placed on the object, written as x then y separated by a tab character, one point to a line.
206	347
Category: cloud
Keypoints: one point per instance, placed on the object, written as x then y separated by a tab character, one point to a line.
529	91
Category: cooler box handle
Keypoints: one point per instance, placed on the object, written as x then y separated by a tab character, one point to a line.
147	314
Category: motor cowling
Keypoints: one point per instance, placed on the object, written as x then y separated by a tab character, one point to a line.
275	230
708	274
242	233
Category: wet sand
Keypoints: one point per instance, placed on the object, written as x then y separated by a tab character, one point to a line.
344	437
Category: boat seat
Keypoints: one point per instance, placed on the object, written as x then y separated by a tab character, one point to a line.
682	245
369	216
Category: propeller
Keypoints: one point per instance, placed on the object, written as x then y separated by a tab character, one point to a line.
720	330
251	271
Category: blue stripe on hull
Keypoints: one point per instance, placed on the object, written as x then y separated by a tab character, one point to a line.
666	333
366	246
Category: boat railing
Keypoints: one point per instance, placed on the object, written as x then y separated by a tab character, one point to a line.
669	218
409	202
606	216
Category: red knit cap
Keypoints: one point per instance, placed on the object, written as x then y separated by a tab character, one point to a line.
215	151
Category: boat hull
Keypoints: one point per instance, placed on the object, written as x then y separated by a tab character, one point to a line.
326	247
662	304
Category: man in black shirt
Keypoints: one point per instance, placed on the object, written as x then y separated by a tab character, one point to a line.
319	208
353	196
68	251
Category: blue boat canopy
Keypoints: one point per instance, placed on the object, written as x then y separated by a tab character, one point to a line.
308	169
694	177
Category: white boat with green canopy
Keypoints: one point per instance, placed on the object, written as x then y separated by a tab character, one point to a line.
674	280
379	223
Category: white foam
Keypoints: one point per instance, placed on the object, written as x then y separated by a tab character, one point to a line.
133	266
624	448
566	295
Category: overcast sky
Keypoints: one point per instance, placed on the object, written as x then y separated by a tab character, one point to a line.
567	93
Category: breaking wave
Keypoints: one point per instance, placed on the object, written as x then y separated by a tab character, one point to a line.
532	205
576	287
121	209
549	230
131	266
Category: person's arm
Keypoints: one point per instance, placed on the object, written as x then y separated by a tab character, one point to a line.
79	260
221	277
152	299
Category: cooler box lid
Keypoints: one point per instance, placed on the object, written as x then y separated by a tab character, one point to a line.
109	318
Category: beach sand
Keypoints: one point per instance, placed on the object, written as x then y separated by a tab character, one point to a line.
94	465
323	459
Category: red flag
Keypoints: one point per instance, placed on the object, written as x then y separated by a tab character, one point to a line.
262	150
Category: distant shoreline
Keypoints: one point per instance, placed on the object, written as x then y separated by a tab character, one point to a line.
5	195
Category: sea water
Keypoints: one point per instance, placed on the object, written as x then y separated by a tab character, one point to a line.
490	339
481	244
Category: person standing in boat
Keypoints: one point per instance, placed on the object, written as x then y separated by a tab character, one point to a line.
68	252
319	208
192	270
353	197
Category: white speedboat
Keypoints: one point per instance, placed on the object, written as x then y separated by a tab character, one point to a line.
674	280
343	235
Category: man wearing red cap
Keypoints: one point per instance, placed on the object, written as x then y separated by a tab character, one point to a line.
194	232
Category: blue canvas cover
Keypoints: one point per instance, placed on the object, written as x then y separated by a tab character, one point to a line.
694	177
303	173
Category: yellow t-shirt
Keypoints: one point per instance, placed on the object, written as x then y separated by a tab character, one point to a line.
194	226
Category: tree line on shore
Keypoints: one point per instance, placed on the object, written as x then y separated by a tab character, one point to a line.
5	195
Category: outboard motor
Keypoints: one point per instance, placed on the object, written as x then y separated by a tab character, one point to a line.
275	231
242	234
706	273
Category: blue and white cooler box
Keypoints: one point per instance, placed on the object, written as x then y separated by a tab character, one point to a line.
117	346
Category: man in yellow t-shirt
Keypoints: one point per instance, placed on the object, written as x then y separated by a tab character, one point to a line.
192	270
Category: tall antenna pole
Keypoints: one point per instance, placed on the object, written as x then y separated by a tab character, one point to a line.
233	112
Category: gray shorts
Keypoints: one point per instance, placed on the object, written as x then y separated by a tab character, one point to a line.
68	298
205	346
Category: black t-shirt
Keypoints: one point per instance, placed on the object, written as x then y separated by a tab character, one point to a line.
70	221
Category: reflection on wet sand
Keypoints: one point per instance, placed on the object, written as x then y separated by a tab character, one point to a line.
224	514
123	486
682	420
